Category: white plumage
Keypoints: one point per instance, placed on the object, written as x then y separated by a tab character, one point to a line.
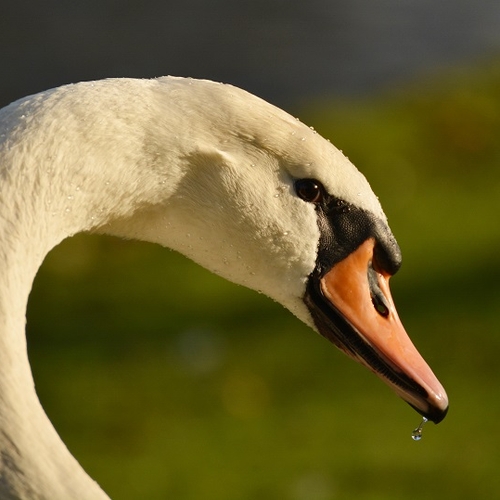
204	168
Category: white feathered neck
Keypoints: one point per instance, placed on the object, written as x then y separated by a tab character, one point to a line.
203	168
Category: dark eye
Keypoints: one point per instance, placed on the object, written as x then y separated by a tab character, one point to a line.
309	190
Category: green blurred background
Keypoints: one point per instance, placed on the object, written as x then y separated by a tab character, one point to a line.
168	382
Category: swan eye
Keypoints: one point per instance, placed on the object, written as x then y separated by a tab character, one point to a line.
309	190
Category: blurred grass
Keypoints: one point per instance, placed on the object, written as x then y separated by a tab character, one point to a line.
168	382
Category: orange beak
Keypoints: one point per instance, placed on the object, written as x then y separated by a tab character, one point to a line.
357	292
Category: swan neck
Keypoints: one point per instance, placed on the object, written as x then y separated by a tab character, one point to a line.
34	462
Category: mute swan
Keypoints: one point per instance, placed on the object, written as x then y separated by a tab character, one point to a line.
213	172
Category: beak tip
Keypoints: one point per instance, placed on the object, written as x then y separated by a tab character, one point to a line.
438	414
439	406
434	412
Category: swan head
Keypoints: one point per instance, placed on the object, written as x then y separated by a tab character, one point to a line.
264	201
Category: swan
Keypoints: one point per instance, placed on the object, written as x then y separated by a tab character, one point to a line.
211	171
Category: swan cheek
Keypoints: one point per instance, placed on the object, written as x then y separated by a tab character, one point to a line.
371	332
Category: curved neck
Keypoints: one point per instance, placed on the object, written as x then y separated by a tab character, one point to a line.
42	201
65	167
34	462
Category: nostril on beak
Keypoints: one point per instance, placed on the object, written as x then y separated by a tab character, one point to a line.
380	307
378	298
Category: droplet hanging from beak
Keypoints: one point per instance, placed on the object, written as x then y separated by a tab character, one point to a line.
416	435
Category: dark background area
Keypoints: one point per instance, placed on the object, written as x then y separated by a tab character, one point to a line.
284	51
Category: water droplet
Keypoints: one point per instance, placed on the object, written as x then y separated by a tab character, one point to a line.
302	138
70	197
68	210
416	435
286	233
